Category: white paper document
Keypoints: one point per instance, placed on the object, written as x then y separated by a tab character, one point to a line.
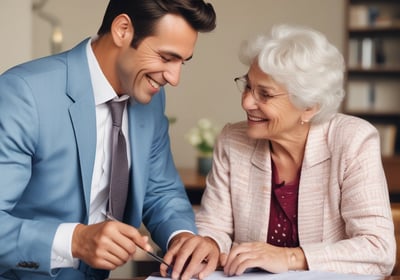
291	275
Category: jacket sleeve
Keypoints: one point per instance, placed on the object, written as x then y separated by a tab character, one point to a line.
368	245
25	243
215	216
166	207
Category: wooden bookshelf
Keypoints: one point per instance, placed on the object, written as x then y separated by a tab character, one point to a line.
374	26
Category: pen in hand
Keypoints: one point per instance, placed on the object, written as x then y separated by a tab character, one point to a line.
152	255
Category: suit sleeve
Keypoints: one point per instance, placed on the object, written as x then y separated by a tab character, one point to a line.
166	206
25	242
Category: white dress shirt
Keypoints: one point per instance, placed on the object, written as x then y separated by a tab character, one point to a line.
61	255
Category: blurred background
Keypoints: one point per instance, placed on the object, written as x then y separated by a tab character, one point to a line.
206	89
367	32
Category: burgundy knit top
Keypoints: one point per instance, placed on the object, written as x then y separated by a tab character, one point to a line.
282	229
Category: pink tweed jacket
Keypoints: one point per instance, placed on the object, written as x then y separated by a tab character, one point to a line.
344	215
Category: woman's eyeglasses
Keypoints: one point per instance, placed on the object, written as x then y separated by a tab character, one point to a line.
260	94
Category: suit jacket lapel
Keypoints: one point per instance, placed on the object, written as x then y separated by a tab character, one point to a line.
83	114
260	180
313	181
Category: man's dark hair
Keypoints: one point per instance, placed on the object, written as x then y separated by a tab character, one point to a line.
145	14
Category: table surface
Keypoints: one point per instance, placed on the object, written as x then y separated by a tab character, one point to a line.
194	184
397	277
192	179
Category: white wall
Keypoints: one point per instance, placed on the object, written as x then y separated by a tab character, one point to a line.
79	20
15	32
206	88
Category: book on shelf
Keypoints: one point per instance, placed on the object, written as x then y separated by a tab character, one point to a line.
373	96
354	56
387	134
385	21
358	16
360	96
367	53
364	16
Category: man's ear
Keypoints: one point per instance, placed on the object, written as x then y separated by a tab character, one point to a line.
122	30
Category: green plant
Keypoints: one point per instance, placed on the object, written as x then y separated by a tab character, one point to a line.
203	136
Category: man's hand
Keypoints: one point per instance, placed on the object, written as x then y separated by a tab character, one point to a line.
107	245
191	256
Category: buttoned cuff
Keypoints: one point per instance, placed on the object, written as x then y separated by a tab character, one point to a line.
61	255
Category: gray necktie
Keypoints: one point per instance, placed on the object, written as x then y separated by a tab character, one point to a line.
119	176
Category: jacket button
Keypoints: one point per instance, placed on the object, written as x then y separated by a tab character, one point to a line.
22	264
33	265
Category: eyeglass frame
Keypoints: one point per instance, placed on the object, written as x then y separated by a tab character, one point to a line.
242	85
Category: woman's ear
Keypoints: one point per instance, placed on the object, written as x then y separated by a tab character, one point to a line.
122	30
309	113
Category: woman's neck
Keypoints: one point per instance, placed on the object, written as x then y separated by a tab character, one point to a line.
288	155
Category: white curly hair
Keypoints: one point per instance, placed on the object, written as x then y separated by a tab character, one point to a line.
305	62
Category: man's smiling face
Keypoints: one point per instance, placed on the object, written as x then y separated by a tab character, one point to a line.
157	60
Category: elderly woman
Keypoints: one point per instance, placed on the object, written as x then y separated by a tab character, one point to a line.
297	186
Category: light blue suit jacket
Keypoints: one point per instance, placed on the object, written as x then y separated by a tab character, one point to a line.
47	152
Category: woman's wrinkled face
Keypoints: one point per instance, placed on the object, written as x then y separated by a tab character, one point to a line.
270	113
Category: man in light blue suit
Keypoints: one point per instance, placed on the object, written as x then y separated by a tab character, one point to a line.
55	141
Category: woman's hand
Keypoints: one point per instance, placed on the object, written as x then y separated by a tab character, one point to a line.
264	256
